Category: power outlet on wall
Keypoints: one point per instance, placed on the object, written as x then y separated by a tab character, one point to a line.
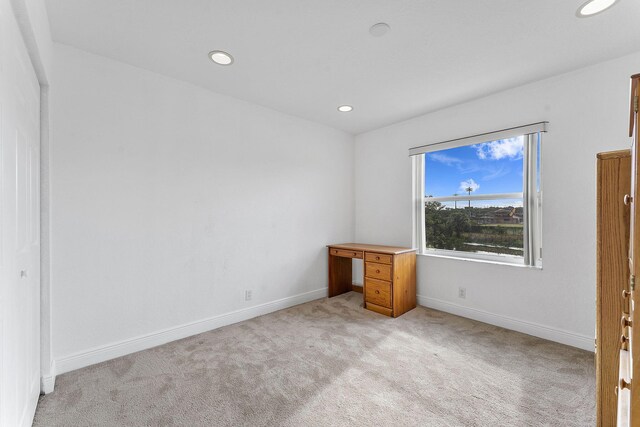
462	293
248	294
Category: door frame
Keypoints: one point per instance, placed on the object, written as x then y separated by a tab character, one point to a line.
37	39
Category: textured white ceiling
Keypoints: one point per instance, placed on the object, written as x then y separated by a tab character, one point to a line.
307	57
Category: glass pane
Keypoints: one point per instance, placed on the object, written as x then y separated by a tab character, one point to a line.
489	168
480	226
538	155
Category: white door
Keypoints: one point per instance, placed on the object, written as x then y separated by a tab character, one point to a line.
19	227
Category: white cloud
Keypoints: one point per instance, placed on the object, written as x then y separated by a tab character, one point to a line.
469	183
444	159
493	173
510	148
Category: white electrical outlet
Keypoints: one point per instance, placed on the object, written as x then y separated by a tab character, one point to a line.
462	293
248	294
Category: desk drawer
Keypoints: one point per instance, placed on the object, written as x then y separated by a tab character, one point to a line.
345	253
377	271
381	258
378	292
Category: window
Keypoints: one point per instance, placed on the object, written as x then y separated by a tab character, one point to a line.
481	197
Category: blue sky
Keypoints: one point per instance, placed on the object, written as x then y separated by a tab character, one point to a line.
490	167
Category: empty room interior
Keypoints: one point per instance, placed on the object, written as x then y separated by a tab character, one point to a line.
319	213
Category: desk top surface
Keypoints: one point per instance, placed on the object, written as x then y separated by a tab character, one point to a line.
371	248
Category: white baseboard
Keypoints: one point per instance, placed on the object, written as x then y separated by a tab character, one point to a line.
552	334
48	380
132	345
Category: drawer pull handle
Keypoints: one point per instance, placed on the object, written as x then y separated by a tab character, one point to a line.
354	254
627	199
377	258
378	271
377	291
625	294
624	384
625	322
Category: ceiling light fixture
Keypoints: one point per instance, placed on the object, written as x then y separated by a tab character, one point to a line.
379	29
345	108
220	57
593	7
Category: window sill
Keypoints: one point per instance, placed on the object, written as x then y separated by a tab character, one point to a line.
480	260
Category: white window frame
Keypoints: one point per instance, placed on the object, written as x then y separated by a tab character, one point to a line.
531	196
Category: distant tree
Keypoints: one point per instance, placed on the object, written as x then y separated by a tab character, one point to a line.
445	227
460	223
469	189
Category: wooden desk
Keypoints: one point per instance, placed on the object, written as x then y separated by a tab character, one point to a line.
389	276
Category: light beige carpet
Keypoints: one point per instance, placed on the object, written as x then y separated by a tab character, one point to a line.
331	363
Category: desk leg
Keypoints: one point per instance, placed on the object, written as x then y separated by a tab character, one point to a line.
339	275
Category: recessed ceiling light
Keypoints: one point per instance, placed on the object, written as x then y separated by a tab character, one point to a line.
220	57
345	108
379	29
593	7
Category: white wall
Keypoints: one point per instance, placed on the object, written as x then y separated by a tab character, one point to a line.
170	201
588	113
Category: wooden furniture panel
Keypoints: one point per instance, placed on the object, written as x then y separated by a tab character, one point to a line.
339	275
613	183
628	329
380	258
404	280
380	309
346	253
391	250
631	322
378	292
357	288
389	276
377	271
